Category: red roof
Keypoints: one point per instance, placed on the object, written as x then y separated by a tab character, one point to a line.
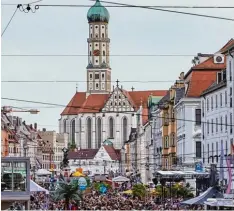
209	64
228	44
113	153
75	104
200	81
83	154
95	102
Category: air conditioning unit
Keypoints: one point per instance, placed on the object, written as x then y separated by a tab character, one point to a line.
218	58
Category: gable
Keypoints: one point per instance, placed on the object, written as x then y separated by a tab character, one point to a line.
118	102
102	154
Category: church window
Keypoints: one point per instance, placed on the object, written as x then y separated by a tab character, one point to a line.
97	85
96	35
99	132
124	103
96	45
91	76
104	53
91	35
96	27
102	35
80	130
103	86
90	86
73	126
96	61
111	127
103	27
97	76
64	126
90	45
90	53
125	122
103	45
115	96
89	132
115	103
103	76
119	103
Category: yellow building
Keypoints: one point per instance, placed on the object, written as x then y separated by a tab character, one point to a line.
168	126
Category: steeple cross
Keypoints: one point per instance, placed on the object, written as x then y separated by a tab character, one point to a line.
132	88
117	83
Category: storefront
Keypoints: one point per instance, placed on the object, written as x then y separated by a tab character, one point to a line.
15	182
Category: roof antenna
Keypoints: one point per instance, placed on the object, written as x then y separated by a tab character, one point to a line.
77	85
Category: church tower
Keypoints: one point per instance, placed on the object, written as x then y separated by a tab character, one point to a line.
98	69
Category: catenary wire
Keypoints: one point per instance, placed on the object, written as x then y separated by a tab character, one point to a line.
98	110
8	24
170	11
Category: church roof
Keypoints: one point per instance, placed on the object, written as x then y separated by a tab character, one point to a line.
95	102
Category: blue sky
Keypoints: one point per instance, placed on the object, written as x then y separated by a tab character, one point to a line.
61	30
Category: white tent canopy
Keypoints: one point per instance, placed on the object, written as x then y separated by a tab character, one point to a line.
43	172
120	179
34	187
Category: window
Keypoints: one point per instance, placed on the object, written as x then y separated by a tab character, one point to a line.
103	76
173	139
64	126
99	132
207	104
203	108
203	153
96	27
221	123
208	152
90	53
230	70
211	102
89	133
217	123
111	127
217	152
208	127
102	35
221	100
230	102
230	125
226	122
96	45
103	86
225	97
212	126
96	35
226	148
91	76
212	152
198	116
97	86
91	35
125	129
103	27
230	91
166	142
104	53
90	86
198	149
73	132
216	101
96	76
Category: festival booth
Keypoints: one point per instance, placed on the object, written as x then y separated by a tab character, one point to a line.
211	192
34	187
213	204
119	180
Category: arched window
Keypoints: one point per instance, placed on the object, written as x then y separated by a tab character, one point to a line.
64	126
103	53
99	132
102	35
89	132
125	129
73	127
80	130
90	53
111	127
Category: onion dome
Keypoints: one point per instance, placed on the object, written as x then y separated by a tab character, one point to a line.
98	13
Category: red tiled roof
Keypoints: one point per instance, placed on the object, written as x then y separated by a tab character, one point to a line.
141	97
200	81
228	44
209	64
112	152
83	154
94	103
75	104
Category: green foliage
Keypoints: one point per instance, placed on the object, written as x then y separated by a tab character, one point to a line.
139	190
97	185
67	191
88	182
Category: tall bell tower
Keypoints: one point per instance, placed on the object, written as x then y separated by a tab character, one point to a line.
98	69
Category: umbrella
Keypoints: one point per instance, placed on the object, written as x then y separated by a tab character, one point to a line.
78	174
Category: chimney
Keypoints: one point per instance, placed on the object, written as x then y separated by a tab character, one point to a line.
35	126
44	129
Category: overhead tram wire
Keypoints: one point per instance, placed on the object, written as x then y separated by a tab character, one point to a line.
98	110
171	11
13	15
127	6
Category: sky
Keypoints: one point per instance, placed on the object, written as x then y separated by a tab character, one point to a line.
64	30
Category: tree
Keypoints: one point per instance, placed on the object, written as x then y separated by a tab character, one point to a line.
67	191
139	190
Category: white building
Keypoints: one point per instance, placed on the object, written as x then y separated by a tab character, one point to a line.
105	160
52	148
217	118
101	113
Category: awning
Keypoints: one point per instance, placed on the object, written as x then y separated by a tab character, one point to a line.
211	192
34	187
120	179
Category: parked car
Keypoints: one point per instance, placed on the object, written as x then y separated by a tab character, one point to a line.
18	181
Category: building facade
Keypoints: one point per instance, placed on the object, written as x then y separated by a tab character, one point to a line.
102	112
